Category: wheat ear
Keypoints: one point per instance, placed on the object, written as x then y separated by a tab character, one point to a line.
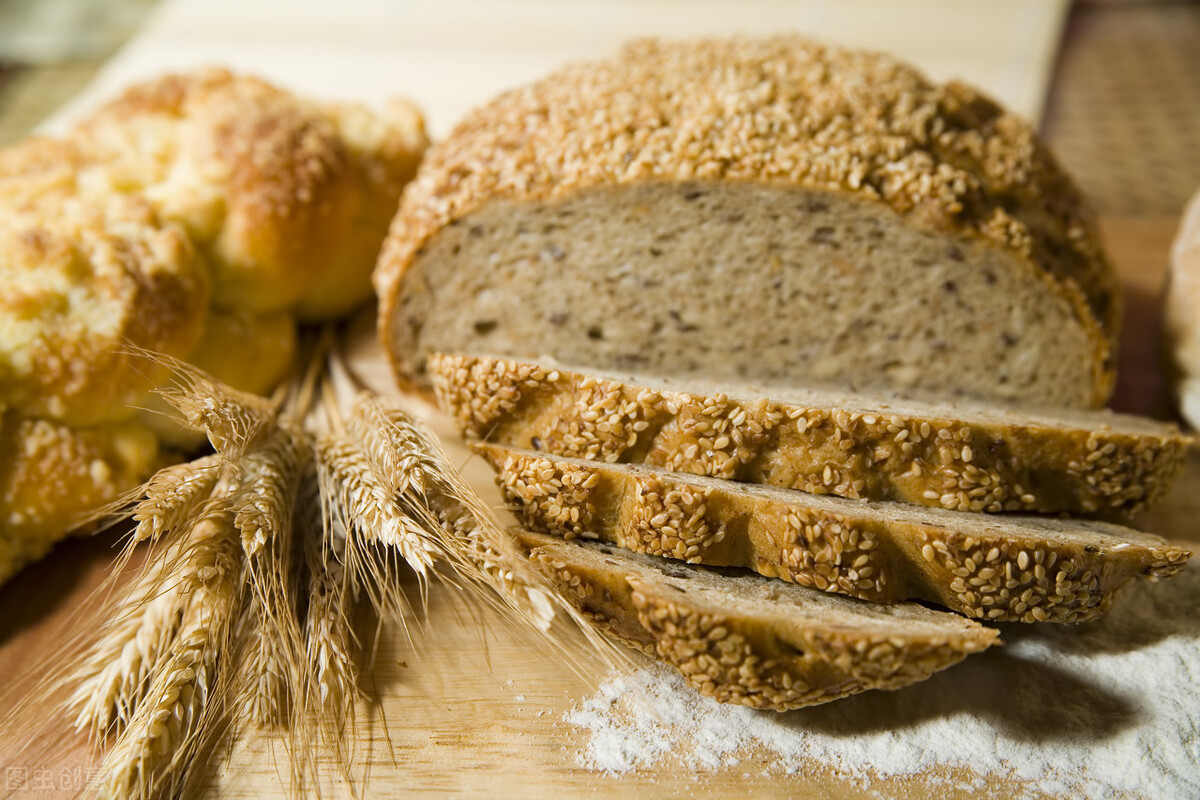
478	535
116	675
231	419
168	728
173	495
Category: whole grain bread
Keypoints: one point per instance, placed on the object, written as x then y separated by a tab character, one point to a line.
986	566
741	638
962	455
755	209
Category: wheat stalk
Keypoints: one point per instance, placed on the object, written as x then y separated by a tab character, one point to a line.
246	614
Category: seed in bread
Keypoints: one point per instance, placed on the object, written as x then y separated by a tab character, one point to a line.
966	456
758	209
745	639
993	567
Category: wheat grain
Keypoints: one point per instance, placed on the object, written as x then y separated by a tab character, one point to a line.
121	665
173	495
268	476
231	419
117	673
267	686
328	632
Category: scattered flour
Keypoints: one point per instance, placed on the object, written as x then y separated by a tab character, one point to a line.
1107	709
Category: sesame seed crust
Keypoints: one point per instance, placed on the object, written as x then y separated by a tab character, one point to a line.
779	110
943	456
996	568
749	640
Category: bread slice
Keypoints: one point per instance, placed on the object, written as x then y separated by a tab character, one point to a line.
956	455
741	638
755	209
994	567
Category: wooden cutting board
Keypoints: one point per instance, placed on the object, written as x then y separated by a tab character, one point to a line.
469	708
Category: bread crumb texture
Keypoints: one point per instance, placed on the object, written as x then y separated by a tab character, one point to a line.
186	217
780	110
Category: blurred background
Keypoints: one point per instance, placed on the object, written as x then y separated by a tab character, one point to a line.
1115	86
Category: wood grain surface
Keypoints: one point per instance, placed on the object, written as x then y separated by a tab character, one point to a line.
469	708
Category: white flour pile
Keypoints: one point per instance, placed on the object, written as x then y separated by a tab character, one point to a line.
1108	709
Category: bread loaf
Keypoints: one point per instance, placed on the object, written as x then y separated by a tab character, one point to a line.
199	216
994	567
961	455
741	638
1181	328
760	210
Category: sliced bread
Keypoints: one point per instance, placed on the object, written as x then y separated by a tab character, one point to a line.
994	567
758	209
957	455
741	638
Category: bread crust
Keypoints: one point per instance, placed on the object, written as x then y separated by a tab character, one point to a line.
1016	569
780	110
265	181
940	455
80	284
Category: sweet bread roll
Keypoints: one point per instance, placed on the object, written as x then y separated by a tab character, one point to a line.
269	185
52	475
385	148
82	281
198	216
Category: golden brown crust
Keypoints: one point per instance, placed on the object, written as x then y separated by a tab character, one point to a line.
1025	569
51	475
81	283
738	639
936	455
258	176
385	148
780	110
